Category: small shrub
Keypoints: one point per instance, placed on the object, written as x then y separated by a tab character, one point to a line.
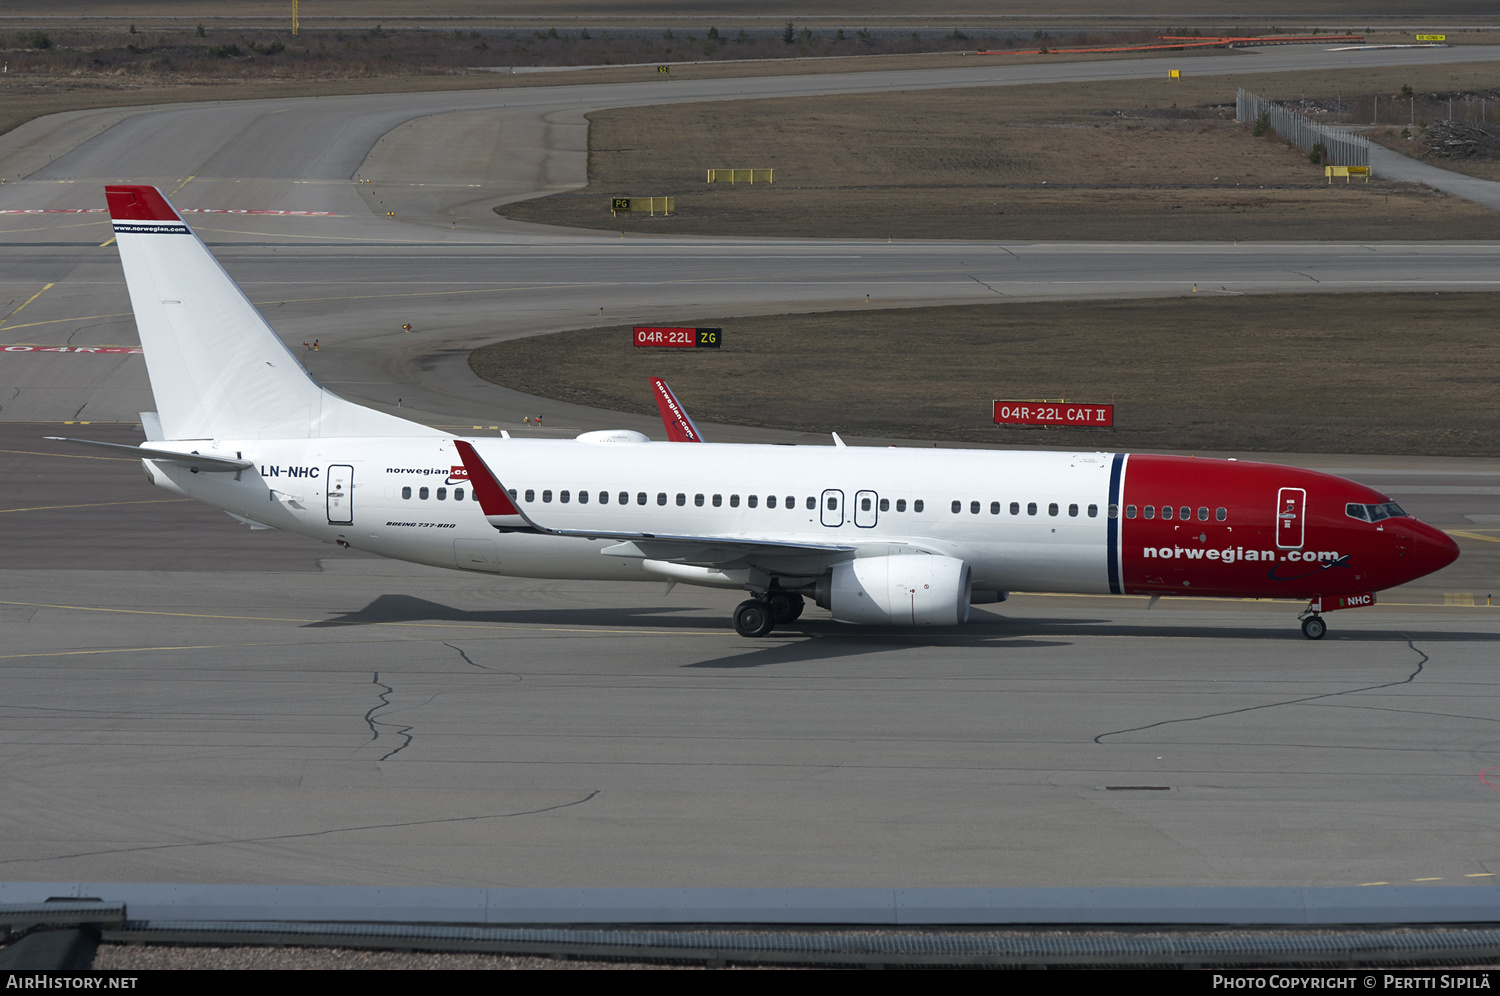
1262	124
1406	90
713	34
1317	155
790	34
40	40
584	34
201	32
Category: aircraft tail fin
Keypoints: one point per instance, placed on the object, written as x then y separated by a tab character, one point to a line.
217	369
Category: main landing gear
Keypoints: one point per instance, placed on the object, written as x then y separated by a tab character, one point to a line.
758	616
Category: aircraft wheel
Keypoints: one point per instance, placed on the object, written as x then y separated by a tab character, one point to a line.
1313	627
785	606
753	618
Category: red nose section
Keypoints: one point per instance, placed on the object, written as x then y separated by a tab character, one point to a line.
1428	550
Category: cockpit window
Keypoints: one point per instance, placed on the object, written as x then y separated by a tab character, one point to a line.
1373	513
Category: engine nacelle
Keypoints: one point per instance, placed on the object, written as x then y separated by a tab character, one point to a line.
906	590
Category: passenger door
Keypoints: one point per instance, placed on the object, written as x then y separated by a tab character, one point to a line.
340	484
1291	518
866	509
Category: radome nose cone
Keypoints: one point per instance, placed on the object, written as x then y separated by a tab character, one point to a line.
1431	549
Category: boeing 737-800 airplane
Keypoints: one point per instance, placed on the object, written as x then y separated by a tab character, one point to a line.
888	536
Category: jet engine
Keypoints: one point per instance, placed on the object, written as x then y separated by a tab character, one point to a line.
907	590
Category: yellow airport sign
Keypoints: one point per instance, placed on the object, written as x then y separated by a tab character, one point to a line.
1432	37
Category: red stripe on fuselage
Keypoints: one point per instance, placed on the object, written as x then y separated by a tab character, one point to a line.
1240	556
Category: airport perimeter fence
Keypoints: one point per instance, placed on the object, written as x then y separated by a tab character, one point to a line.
1341	147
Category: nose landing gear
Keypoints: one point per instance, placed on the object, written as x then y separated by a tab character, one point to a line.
1313	626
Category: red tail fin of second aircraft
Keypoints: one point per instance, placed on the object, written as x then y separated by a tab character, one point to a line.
680	428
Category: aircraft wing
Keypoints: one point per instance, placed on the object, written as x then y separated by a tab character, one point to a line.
773	555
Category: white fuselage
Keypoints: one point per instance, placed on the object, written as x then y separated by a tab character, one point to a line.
1025	521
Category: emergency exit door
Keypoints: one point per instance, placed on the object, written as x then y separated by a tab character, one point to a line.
340	484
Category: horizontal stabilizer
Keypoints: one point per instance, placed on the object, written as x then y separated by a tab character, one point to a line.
197	461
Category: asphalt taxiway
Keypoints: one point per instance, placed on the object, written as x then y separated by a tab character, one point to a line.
183	701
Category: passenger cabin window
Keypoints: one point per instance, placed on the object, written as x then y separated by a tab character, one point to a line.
681	499
1184	513
442	494
530	495
1166	511
624	497
770	501
1202	514
1093	511
1221	513
973	508
1073	511
994	508
563	496
864	505
900	504
1130	511
750	500
458	494
916	505
958	506
583	497
1052	508
422	494
1114	511
1031	508
697	500
513	494
885	504
406	493
1149	512
661	497
640	497
813	502
1015	508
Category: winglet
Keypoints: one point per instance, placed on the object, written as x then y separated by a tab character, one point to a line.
680	428
494	500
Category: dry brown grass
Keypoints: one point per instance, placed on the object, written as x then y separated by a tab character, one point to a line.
1396	373
1143	159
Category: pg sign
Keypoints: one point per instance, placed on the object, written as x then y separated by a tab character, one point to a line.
1054	413
678	338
